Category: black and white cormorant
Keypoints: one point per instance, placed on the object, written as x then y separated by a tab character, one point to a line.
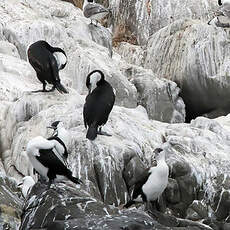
47	61
152	183
94	11
46	160
98	103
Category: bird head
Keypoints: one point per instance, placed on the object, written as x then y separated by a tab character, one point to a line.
93	80
55	125
158	154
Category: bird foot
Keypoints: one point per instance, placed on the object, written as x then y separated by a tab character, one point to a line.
38	91
104	133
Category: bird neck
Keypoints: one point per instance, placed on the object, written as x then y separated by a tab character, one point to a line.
63	135
161	160
85	3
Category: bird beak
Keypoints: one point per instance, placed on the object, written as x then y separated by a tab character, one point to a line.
19	185
51	127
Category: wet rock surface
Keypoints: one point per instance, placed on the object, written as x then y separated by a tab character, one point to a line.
197	61
149	113
11	203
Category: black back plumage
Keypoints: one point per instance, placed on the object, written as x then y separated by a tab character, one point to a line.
220	2
98	105
137	190
55	166
40	55
56	138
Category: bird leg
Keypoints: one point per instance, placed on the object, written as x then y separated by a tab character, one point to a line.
41	90
49	183
148	206
52	89
100	132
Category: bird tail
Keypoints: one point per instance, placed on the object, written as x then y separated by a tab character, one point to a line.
60	87
92	132
75	180
129	203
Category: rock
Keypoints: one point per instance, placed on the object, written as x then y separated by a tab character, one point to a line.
197	211
66	205
144	18
8	49
180	168
10	203
222	210
172	192
191	214
160	98
101	36
133	169
187	42
132	54
197	152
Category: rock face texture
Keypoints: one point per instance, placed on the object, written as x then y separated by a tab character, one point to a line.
149	113
143	18
11	203
195	56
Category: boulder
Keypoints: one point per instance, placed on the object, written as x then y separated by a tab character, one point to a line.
143	18
65	204
197	60
11	203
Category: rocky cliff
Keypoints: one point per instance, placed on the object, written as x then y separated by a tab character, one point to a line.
180	62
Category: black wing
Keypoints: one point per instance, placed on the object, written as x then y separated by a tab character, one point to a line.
50	160
56	138
139	183
54	68
43	61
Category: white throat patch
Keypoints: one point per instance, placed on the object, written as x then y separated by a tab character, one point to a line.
94	78
60	58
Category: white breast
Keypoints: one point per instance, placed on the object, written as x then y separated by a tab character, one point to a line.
60	58
32	150
94	78
157	182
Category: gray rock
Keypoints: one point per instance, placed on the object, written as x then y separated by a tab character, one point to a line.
132	54
101	36
160	98
66	205
8	49
172	192
223	208
196	59
197	211
144	18
180	168
10	203
187	185
191	214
